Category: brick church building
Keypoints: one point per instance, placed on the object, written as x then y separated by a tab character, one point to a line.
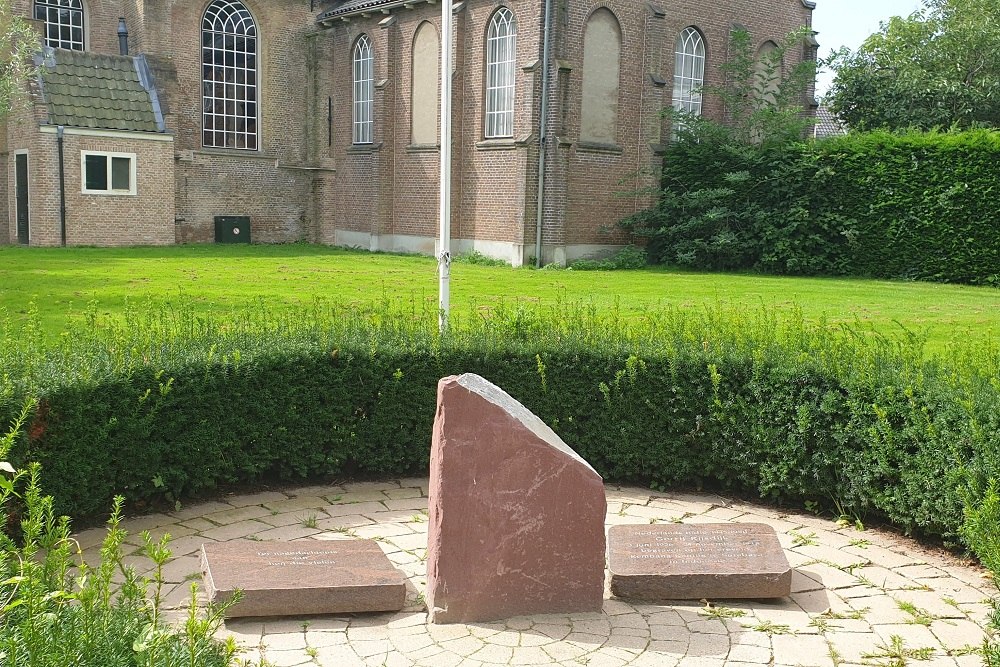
175	121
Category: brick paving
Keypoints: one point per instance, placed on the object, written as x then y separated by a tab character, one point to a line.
859	597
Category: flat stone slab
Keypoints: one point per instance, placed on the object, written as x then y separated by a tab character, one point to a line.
695	561
302	578
516	517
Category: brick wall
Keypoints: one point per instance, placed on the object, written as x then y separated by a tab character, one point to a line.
390	191
146	218
300	186
270	185
648	36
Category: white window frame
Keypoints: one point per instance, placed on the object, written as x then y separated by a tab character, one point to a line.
501	70
109	155
689	71
229	89
363	98
77	19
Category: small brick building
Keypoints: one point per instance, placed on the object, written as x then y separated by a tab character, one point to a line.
292	120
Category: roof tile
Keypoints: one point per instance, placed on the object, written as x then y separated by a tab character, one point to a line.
97	91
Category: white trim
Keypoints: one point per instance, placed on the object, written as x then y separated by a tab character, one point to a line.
132	173
517	254
109	134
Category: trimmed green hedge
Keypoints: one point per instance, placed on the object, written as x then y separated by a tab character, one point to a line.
171	404
913	206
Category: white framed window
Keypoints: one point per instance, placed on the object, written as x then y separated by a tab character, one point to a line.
104	173
501	56
229	76
689	71
364	88
63	21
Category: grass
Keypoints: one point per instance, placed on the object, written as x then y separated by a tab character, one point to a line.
64	282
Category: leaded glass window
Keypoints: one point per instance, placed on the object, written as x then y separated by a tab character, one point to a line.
63	20
501	51
364	89
229	76
689	71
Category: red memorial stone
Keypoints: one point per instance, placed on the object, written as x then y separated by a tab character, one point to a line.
302	578
516	516
695	561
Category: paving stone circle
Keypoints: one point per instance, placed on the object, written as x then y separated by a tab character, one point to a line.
854	593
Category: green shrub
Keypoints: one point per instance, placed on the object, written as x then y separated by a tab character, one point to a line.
982	533
168	404
479	259
629	257
913	206
55	611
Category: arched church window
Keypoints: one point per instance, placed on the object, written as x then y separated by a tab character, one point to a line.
364	91
424	85
501	57
689	71
63	21
229	76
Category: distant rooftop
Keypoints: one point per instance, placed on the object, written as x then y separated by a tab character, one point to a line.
827	124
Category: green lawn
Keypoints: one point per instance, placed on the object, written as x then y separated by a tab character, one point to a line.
218	278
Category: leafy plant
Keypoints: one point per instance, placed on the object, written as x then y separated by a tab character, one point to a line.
57	611
981	531
895	653
629	257
479	259
715	173
928	70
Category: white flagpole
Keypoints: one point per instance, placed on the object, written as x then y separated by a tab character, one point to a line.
444	249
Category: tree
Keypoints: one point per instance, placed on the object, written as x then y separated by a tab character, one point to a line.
714	173
937	68
17	42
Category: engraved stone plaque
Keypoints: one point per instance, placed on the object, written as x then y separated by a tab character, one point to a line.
691	562
303	577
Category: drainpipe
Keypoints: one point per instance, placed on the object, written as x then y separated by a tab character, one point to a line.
543	134
62	185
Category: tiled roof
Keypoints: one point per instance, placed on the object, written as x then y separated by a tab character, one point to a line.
350	6
96	91
827	124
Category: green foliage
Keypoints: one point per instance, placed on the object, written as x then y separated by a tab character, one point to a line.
17	42
629	257
716	174
913	206
933	69
746	400
56	610
982	533
479	259
762	96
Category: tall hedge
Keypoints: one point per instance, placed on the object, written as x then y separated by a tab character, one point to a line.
169	404
915	206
